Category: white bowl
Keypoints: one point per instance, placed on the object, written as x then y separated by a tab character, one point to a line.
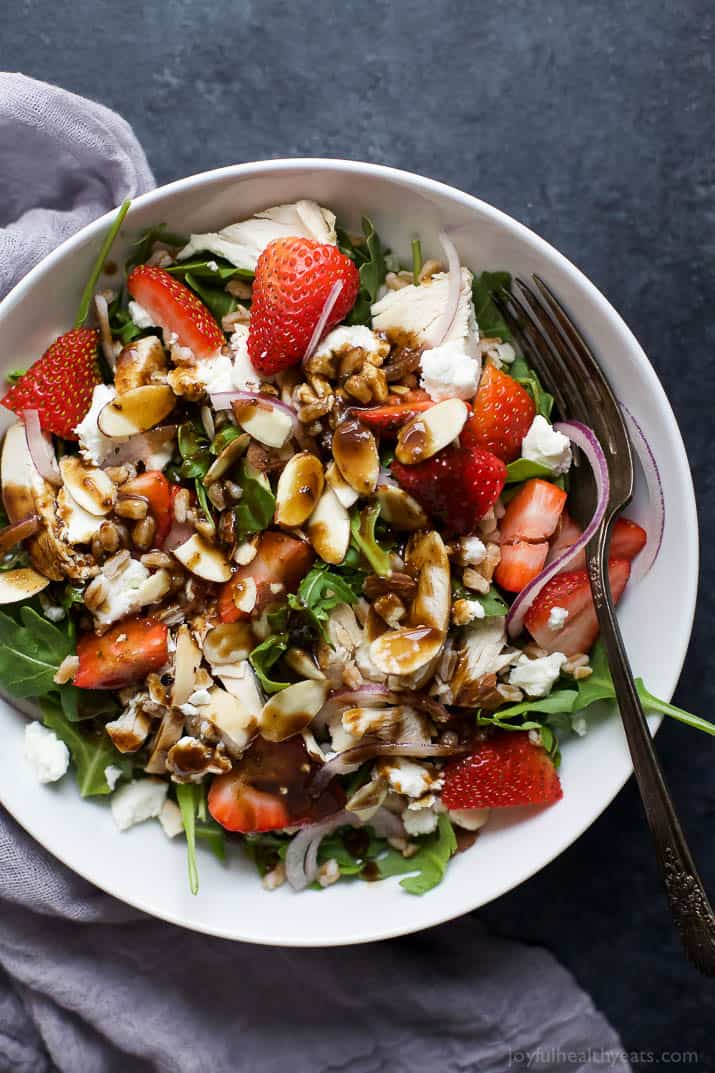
141	866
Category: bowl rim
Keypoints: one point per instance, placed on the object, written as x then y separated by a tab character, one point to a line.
605	309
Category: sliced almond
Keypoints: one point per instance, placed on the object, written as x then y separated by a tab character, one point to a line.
399	509
299	661
233	719
430	431
355	454
230	642
347	495
21	483
427	554
244	593
241	682
21	584
203	559
329	528
186	663
291	710
136	411
139	363
230	454
88	486
266	423
405	650
300	486
154	588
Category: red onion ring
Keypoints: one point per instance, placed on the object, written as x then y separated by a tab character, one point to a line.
18	531
454	285
583	438
302	854
39	444
351	759
645	561
138	448
350	698
323	318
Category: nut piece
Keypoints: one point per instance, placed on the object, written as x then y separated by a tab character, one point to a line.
88	486
137	410
229	643
203	559
329	528
186	663
399	509
21	584
355	453
428	432
347	495
141	362
230	454
233	719
266	423
300	486
291	710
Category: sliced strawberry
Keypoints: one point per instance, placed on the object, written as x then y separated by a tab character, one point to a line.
520	563
176	309
389	418
268	789
503	412
59	385
457	486
294	279
533	513
154	487
505	770
127	653
627	540
280	560
572	591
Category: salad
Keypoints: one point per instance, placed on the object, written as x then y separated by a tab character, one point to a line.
287	558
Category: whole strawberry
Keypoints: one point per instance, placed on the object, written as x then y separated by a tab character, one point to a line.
294	278
59	385
503	412
457	486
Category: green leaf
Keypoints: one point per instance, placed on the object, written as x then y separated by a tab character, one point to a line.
30	653
560	700
429	863
488	316
187	798
15	375
222	439
264	656
320	592
204	502
91	752
88	292
370	259
216	299
524	469
145	243
416	260
362	538
214	837
202	268
492	604
193	447
121	324
254	512
525	375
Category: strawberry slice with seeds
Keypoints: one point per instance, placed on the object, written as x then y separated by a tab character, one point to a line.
59	385
390	417
280	560
176	309
529	520
627	540
294	279
503	412
505	770
126	653
571	590
457	486
520	563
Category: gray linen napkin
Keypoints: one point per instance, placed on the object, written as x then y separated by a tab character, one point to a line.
88	985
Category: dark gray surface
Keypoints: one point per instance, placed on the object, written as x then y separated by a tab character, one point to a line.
589	121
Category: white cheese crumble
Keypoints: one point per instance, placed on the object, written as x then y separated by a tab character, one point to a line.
407	777
245	377
112	774
579	725
94	446
215	374
138	801
125	593
449	373
471	819
537	676
557	618
47	756
472	551
349	337
140	317
419	822
170	819
543	444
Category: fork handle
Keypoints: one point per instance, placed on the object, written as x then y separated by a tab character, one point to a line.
689	904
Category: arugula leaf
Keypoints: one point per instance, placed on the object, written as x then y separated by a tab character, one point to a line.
187	798
30	653
525	375
416	260
88	292
78	704
218	300
320	591
362	538
489	318
254	511
214	837
121	324
430	861
523	469
560	700
193	447
145	243
370	259
14	376
91	752
202	268
222	439
264	656
493	605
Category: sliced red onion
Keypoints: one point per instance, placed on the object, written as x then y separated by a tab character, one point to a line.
302	855
39	444
454	285
18	531
179	533
351	759
644	562
583	438
140	447
351	698
323	318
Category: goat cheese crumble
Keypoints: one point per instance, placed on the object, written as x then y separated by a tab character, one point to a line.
449	373
543	444
47	756
537	676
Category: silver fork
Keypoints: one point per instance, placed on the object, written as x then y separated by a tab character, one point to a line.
570	372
